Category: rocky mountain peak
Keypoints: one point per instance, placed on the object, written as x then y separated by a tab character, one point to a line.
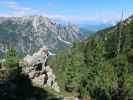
29	33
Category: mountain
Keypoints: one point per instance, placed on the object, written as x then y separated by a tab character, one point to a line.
100	67
94	27
27	34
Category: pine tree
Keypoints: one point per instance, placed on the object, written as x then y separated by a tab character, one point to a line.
12	62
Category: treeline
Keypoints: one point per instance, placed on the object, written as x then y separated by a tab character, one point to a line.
99	68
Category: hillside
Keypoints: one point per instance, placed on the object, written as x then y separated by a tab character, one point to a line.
29	33
101	67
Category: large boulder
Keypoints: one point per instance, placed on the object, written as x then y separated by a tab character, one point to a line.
38	71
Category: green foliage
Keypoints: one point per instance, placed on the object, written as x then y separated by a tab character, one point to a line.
11	64
11	58
96	68
10	67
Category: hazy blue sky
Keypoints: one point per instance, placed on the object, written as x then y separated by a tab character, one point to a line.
106	11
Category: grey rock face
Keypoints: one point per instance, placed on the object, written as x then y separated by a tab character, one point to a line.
27	34
38	71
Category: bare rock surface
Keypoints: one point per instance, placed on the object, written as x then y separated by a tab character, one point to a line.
38	71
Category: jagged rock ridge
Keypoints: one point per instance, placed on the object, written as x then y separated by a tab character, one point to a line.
28	34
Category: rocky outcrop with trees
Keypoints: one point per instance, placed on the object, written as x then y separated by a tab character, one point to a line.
38	71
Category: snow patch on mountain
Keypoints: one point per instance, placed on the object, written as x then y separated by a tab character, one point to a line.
64	41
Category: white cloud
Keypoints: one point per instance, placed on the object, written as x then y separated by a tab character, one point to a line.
5	15
102	17
56	16
110	17
14	6
7	3
17	10
92	19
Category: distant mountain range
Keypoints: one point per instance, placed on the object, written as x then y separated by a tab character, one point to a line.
88	26
94	27
29	33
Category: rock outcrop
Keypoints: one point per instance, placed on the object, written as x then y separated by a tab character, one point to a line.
38	71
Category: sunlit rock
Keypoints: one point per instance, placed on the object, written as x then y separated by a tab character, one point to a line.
38	71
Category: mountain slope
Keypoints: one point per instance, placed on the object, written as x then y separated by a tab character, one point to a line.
101	67
29	33
94	28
